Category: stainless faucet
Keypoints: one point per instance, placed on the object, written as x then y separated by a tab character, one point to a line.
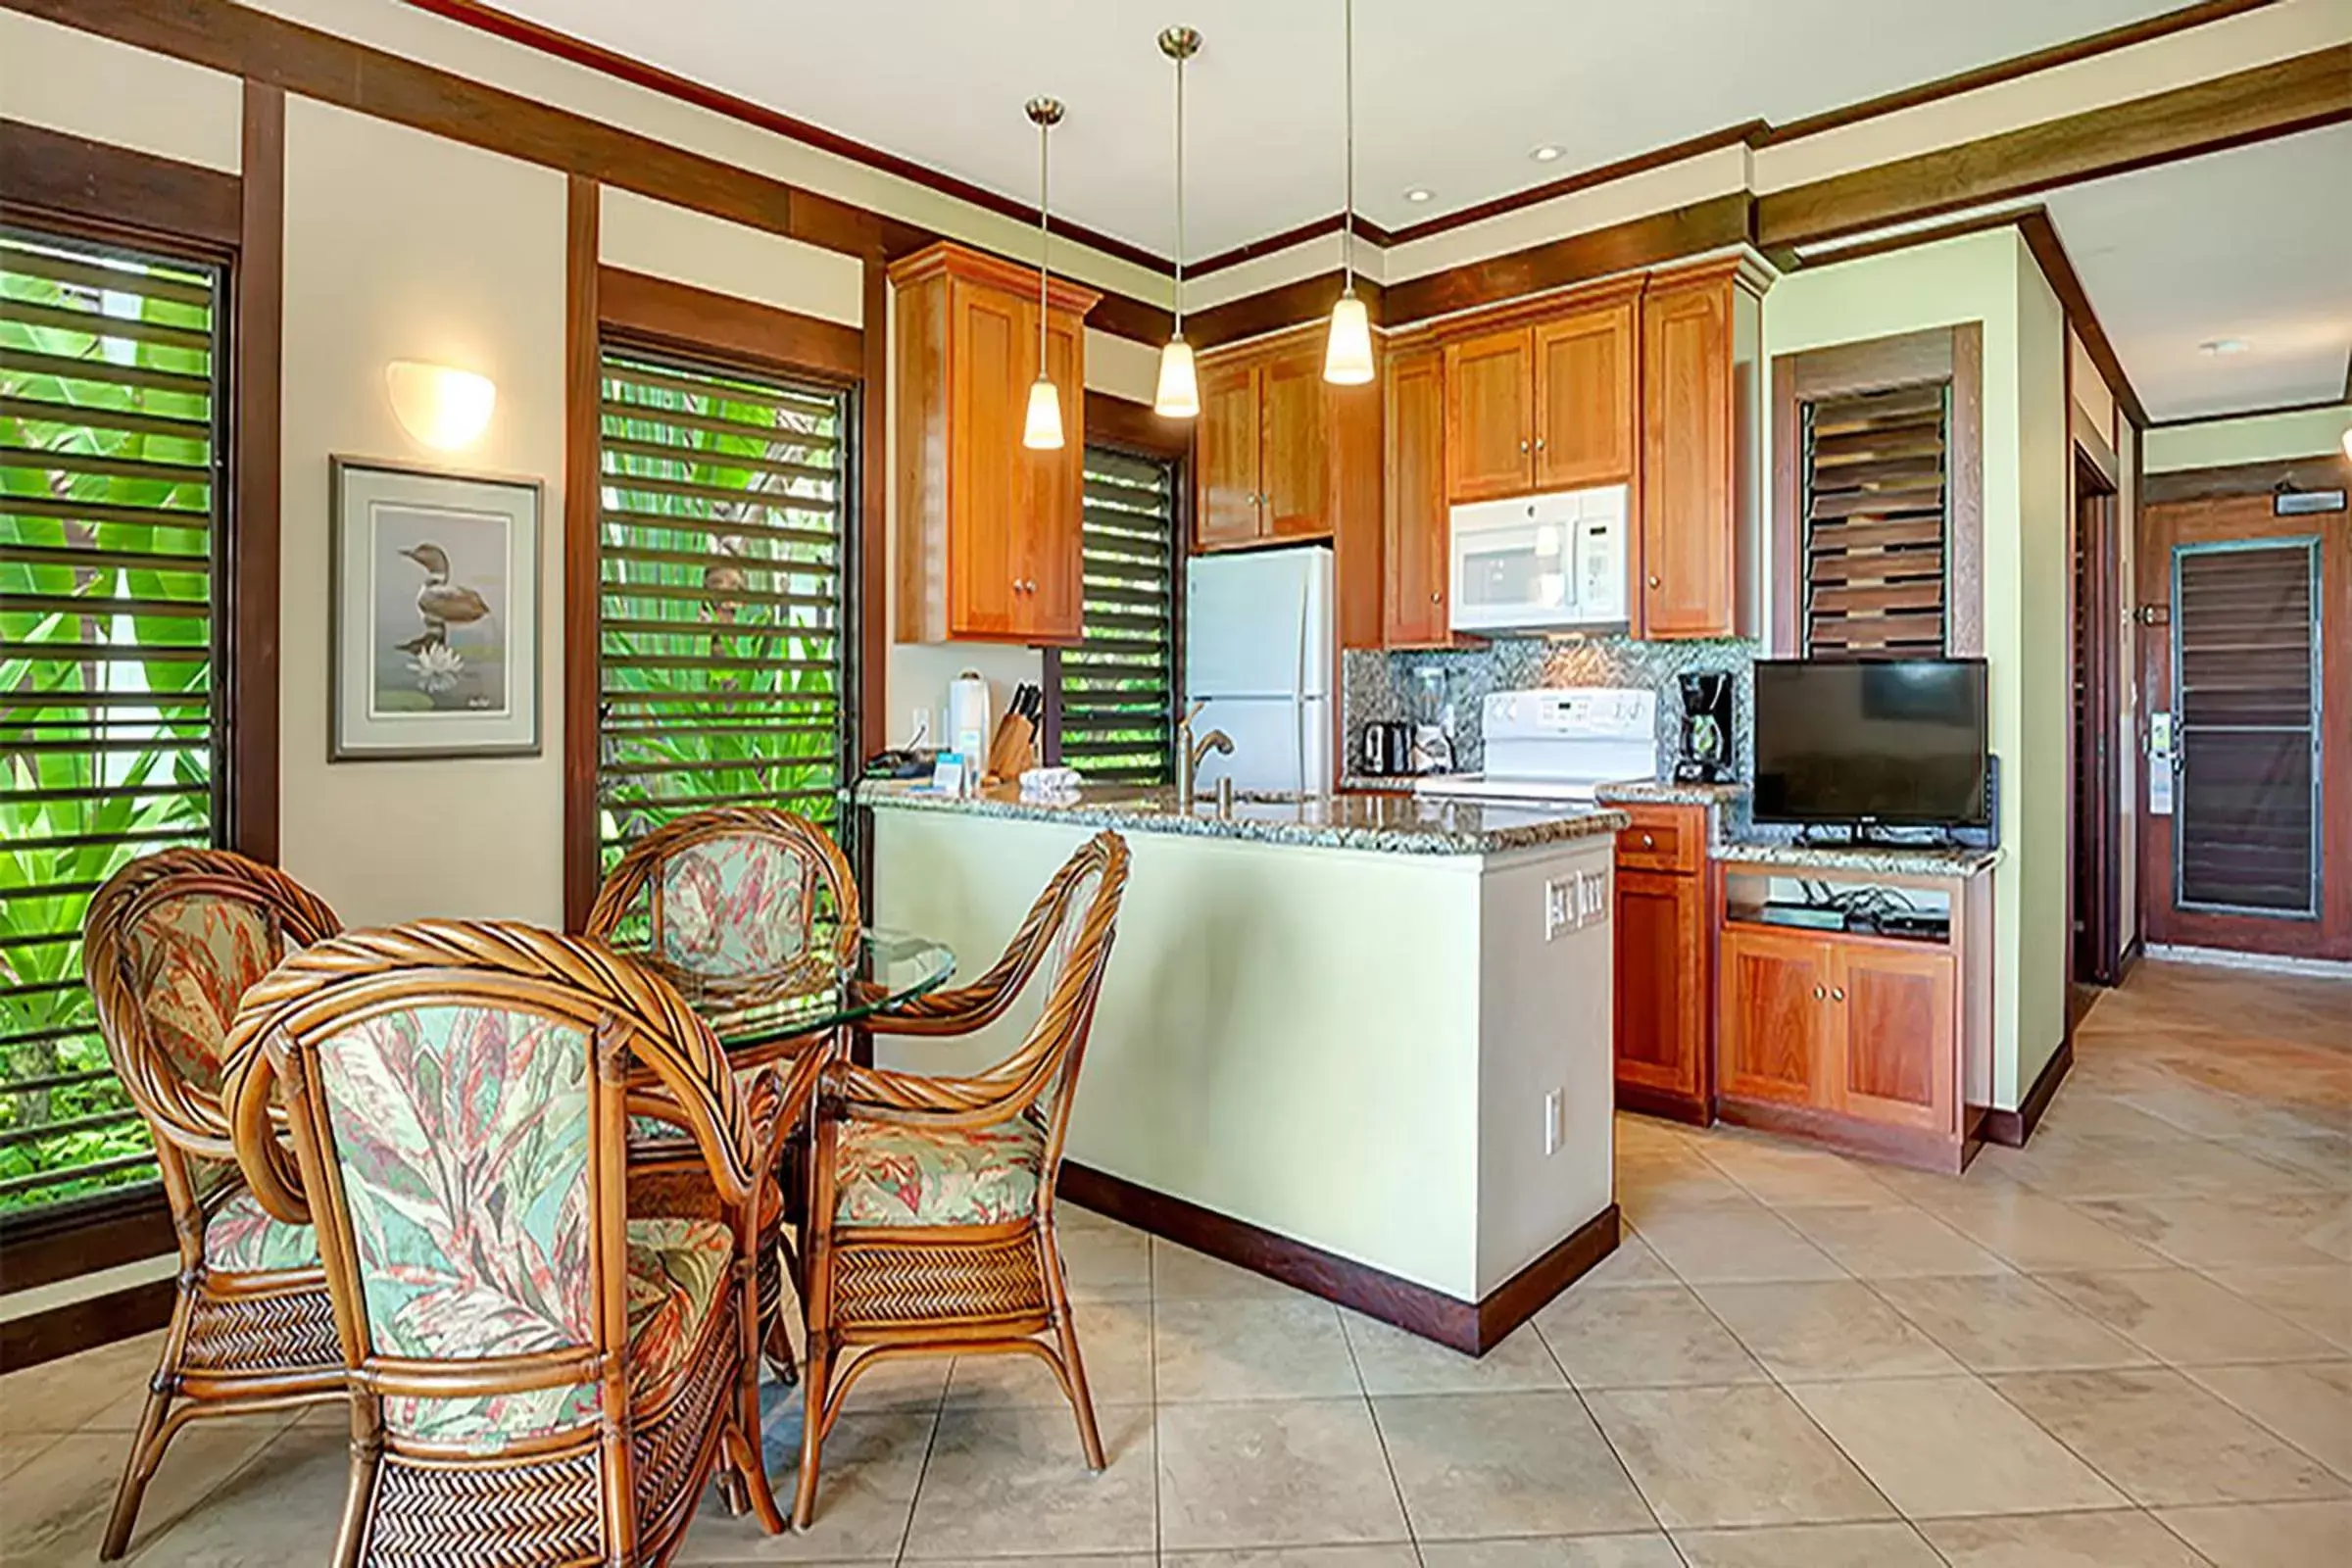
1189	752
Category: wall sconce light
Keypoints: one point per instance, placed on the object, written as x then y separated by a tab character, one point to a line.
440	406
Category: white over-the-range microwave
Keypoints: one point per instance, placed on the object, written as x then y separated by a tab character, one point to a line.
1545	563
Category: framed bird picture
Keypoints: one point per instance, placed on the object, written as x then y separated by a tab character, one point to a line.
435	614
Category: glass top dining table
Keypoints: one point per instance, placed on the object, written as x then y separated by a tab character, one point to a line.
760	1017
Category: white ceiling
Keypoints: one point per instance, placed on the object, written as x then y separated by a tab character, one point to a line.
1450	94
2254	244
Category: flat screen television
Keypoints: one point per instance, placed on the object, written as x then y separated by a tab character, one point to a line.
1897	743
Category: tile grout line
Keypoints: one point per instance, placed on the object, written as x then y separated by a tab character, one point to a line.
1404	1511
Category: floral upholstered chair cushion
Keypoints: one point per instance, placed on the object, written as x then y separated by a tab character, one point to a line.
889	1173
676	1268
462	1136
734	906
240	1237
193	958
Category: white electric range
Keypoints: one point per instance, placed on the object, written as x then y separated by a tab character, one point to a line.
1556	747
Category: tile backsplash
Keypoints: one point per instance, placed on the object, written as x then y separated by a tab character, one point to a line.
1377	685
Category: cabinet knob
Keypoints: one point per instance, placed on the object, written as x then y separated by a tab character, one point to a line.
1838	993
1653	580
1539	443
1437	596
1523	446
1648	842
1820	992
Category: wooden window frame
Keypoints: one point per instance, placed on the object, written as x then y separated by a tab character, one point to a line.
1954	354
1126	426
610	305
77	187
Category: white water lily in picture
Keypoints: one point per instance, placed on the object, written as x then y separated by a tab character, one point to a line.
439	667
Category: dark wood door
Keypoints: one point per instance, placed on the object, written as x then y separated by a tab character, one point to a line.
1895	1056
1295	461
1490	415
995	350
1051	545
1662	995
1414	608
2245	654
1585	421
1688	546
1229	449
1771	1025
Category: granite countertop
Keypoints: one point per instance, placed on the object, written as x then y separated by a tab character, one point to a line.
1666	792
1887	860
1394	824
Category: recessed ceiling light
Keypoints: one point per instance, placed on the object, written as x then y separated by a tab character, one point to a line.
2224	345
1419	193
1548	153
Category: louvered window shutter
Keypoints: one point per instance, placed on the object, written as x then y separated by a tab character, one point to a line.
1117	686
719	614
111	721
1877	516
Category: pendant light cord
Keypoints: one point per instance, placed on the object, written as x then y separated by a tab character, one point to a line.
1348	220
1045	239
1179	196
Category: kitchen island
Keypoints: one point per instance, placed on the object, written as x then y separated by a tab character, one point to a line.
1360	1043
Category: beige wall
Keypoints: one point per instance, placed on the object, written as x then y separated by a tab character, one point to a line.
400	245
2260	438
1992	278
67	79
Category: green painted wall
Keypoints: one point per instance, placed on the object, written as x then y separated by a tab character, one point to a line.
1992	278
2261	438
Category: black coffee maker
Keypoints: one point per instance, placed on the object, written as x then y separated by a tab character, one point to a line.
1706	757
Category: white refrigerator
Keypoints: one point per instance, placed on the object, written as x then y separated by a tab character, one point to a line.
1257	655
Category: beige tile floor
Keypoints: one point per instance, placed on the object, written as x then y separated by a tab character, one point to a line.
2129	1344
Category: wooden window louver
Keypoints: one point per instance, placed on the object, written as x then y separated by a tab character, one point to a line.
111	724
1119	684
1876	507
720	611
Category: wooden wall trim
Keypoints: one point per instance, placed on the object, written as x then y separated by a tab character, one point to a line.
2301	93
1964	545
258	478
870	724
2322	472
665	313
85	1325
637	72
82	1236
2049	253
2316	406
583	383
133	193
1715	224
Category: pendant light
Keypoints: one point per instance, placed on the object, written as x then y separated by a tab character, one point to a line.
1179	394
1348	356
1041	431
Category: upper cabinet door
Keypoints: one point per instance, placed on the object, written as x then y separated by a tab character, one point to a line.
1490	418
993	349
1295	466
1688	528
1584	416
1052	544
1228	449
1414	525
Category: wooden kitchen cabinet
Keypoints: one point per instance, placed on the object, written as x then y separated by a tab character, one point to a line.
1699	520
989	544
1414	611
1874	1044
1663	1066
1543	403
1280	452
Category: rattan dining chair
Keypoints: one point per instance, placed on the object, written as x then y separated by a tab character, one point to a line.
545	1367
170	944
732	894
931	1226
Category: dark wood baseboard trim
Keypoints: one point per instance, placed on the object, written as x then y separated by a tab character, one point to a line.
1898	1145
85	1325
2134	950
81	1236
2011	1128
1687	1108
1470	1328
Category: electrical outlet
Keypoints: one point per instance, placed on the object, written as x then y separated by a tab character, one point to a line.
1555	1121
1559	909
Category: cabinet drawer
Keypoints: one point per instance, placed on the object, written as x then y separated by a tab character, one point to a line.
1664	838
